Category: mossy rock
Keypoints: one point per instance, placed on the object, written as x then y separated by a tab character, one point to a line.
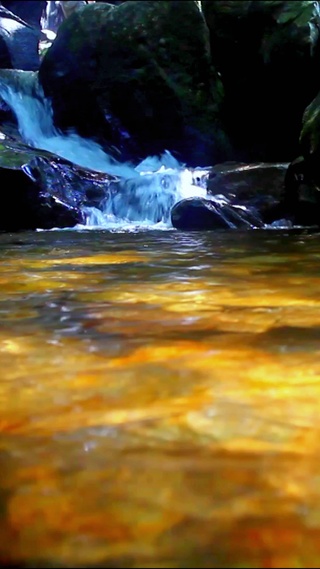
41	190
139	77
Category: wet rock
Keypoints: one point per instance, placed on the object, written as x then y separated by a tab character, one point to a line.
278	193
42	191
18	43
139	76
199	214
26	207
268	55
69	183
260	186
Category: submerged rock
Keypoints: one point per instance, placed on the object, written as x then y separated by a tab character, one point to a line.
199	214
138	77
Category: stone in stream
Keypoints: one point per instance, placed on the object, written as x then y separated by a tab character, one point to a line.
43	191
258	186
275	191
199	214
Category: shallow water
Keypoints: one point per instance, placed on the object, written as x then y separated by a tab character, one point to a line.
160	399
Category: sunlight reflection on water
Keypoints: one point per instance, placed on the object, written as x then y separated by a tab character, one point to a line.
159	399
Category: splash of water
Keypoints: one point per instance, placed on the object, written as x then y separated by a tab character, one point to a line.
152	197
144	193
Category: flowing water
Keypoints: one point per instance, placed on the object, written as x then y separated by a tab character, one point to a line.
159	399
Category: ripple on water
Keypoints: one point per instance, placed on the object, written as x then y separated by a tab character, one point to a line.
159	399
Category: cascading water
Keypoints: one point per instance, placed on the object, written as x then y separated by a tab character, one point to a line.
24	95
144	194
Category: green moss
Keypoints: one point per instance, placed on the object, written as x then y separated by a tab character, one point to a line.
13	155
12	159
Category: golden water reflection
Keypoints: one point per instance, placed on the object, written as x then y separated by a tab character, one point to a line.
160	400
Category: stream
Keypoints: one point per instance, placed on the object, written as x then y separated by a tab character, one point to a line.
159	398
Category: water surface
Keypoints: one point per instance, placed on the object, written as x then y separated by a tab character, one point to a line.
160	399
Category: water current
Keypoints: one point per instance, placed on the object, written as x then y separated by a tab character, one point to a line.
159	399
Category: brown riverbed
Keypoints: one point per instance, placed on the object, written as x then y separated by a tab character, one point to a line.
160	399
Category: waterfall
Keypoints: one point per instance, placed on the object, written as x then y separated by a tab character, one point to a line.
146	192
24	95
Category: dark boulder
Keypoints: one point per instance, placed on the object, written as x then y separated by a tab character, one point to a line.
26	207
260	186
273	191
199	214
43	191
268	55
138	77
